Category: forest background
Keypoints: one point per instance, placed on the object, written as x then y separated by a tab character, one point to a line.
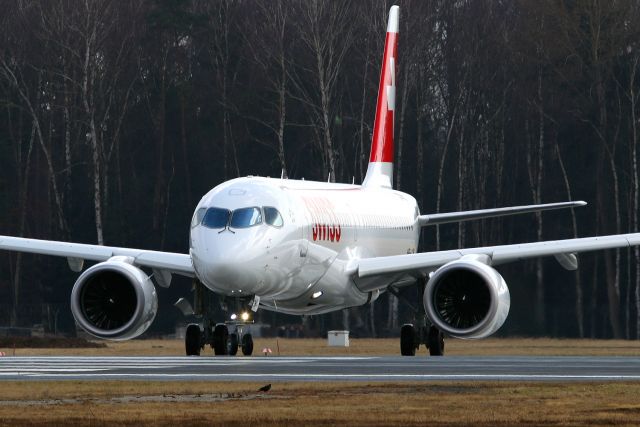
116	117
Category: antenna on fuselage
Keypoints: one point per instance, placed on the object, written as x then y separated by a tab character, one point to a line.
331	175
283	174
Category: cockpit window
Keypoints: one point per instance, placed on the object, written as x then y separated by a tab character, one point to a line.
216	218
246	217
273	217
197	217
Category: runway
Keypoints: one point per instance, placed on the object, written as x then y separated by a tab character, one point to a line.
261	369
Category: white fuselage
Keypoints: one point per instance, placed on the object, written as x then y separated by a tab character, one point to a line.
304	263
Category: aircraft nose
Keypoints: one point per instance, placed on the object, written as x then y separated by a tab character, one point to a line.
228	262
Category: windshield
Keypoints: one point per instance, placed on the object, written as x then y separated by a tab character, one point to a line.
216	218
272	217
246	217
197	217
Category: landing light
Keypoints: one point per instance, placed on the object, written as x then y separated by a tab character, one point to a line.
234	316
316	295
245	316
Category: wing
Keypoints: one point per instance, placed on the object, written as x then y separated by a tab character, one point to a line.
443	218
420	264
76	253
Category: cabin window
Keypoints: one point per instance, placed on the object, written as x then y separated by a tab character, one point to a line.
246	217
272	217
216	218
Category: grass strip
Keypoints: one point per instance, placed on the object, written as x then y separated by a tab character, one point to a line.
358	347
126	403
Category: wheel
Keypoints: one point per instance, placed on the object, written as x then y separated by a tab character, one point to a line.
192	340
247	344
436	342
408	340
233	344
220	339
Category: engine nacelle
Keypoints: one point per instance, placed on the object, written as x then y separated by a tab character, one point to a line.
114	300
467	298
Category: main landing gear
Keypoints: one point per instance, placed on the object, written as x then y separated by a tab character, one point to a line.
411	336
224	338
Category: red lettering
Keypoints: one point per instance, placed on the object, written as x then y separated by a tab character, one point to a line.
330	233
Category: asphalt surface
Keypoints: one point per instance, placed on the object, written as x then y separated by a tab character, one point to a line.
272	368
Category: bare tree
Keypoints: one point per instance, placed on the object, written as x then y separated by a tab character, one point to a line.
324	30
93	67
268	46
222	16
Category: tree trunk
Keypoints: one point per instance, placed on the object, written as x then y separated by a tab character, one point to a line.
372	319
636	187
535	169
392	314
160	178
24	172
96	160
282	107
440	187
578	282
403	107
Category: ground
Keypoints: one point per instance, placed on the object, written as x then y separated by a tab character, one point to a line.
128	403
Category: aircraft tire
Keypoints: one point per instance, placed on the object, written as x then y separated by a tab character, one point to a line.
192	340
233	344
436	342
247	345
408	340
220	340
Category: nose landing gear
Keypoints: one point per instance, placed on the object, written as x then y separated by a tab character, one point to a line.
238	338
224	338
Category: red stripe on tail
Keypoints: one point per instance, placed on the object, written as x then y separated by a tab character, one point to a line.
382	144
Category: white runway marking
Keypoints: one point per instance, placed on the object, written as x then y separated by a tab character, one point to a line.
369	377
323	368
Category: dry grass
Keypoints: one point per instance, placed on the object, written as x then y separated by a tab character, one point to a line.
293	404
361	347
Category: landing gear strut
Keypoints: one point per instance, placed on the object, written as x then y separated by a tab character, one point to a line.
412	335
224	338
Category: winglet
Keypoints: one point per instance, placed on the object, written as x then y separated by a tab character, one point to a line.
380	170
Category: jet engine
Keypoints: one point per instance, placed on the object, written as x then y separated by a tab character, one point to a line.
114	300
467	298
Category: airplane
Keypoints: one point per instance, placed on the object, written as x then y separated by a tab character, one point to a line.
304	247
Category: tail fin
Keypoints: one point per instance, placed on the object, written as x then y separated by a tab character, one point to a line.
380	170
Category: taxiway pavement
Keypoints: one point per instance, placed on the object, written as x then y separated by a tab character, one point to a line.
273	368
